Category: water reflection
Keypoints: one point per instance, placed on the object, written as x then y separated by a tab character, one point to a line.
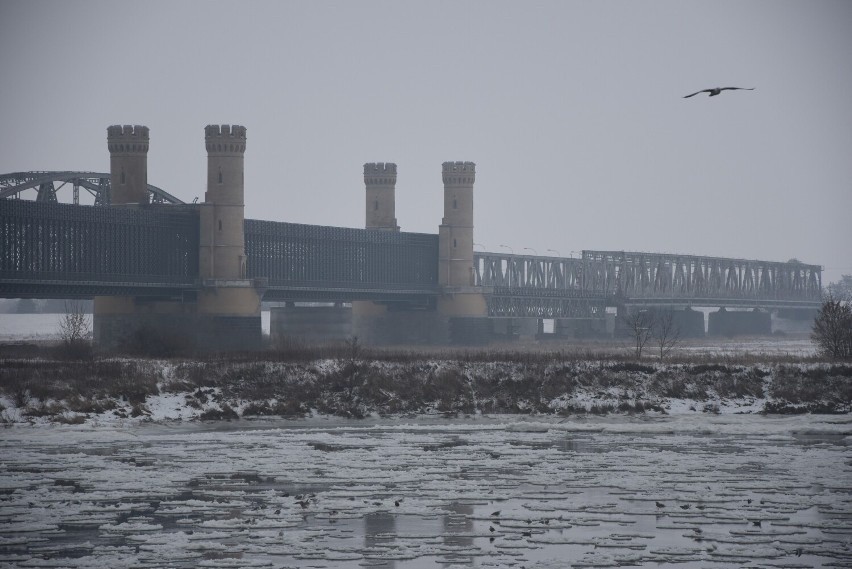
379	536
458	533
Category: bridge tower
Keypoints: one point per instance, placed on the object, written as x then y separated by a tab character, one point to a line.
117	319
226	295
225	311
222	243
128	164
380	180
455	235
460	301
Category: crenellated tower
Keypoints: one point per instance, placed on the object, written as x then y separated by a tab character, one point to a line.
222	234
380	180
455	235
128	164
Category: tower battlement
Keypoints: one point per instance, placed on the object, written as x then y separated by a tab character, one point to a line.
459	173
225	138
380	173
127	138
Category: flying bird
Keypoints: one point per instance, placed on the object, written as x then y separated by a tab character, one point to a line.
716	90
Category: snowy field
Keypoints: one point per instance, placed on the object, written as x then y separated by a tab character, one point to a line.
675	491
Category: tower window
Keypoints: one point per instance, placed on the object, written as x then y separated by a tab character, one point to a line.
220	175
220	225
376	205
454	243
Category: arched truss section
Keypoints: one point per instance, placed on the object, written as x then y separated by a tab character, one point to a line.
47	184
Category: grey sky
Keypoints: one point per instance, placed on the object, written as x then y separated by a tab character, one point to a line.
572	111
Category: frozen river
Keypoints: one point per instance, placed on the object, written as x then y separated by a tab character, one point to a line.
677	491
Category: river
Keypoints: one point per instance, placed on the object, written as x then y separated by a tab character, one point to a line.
674	491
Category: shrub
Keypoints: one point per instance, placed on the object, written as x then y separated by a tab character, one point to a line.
225	413
633	367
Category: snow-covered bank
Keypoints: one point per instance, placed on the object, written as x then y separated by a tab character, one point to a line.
103	391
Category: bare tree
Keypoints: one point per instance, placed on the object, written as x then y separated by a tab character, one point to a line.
832	330
842	289
640	327
666	332
352	346
74	325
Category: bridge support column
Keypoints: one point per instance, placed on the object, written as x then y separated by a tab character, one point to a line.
793	321
581	328
688	323
309	324
225	312
739	323
462	303
125	321
386	324
227	299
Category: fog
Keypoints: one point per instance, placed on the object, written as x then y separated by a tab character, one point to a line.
573	112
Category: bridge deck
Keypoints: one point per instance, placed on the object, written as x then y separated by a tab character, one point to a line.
62	250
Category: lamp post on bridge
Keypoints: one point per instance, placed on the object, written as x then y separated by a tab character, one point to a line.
553	251
507	247
531	249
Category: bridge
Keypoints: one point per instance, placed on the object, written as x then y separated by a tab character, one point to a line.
148	249
44	184
55	250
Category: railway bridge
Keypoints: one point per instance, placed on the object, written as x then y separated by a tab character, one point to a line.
199	271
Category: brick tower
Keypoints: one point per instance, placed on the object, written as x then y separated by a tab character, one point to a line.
227	297
128	164
380	180
455	264
461	302
222	234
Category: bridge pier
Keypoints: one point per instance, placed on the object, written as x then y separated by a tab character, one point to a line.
688	323
460	314
310	324
793	320
462	303
739	323
224	314
581	328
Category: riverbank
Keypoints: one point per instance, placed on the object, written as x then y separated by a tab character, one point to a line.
102	391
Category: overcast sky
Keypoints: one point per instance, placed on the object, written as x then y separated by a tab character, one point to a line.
573	112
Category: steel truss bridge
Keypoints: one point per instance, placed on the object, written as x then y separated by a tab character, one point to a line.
526	285
45	185
55	250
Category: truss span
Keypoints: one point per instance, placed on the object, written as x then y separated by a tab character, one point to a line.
45	186
648	278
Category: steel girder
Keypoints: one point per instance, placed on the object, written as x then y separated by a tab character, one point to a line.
651	278
48	248
96	183
527	272
339	263
669	277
